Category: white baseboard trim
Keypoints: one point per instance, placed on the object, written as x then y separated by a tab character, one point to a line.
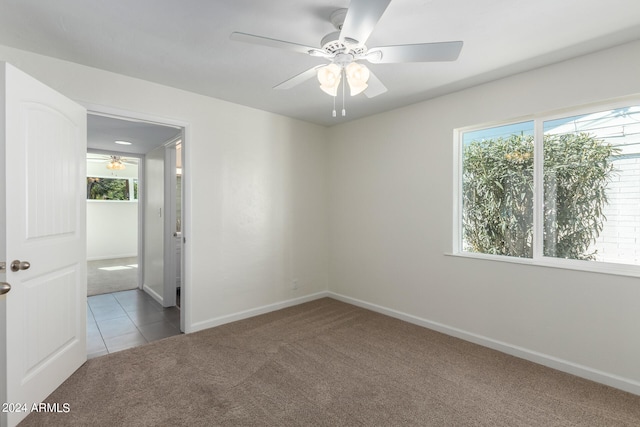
153	294
211	323
105	257
612	380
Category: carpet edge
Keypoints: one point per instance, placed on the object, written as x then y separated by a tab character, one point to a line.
582	371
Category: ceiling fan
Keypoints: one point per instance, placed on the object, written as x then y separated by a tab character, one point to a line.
112	162
345	49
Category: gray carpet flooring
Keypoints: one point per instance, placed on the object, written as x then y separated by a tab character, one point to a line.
112	275
326	363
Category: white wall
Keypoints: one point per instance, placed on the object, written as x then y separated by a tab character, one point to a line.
256	193
112	229
154	217
391	218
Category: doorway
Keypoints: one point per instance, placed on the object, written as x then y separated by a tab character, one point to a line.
112	220
145	309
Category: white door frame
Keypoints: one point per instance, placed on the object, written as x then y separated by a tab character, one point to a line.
118	113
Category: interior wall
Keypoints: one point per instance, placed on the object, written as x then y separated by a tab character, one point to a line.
154	217
391	218
112	229
256	190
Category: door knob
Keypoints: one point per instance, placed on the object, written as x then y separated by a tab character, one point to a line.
4	288
17	265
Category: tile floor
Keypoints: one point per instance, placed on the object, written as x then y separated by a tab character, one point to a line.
126	319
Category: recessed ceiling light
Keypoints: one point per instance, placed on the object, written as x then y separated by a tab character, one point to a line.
123	142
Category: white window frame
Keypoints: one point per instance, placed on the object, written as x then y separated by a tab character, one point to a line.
538	258
130	181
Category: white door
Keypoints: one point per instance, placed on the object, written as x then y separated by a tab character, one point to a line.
170	227
44	209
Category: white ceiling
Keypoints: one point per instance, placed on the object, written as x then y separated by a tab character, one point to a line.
102	132
185	44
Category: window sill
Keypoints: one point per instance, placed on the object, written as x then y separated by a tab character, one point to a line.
565	264
111	201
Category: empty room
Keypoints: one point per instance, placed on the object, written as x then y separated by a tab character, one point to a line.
392	212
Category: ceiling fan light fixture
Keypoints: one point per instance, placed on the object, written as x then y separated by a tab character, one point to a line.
356	89
329	78
333	91
115	164
357	76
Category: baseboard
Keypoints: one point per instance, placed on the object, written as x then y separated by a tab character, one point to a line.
102	258
612	380
153	294
211	323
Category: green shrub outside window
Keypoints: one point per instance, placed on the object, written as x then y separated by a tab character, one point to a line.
590	166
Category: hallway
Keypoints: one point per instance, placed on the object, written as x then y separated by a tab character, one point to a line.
127	319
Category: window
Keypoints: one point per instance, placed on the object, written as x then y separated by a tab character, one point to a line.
135	188
497	190
553	188
99	188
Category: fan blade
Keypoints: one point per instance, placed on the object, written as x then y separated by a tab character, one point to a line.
299	78
362	17
423	52
266	41
375	87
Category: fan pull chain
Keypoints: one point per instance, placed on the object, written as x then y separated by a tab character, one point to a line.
334	107
344	83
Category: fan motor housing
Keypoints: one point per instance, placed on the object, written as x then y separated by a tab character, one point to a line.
331	44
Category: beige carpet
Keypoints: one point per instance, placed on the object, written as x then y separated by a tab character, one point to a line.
112	275
327	363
